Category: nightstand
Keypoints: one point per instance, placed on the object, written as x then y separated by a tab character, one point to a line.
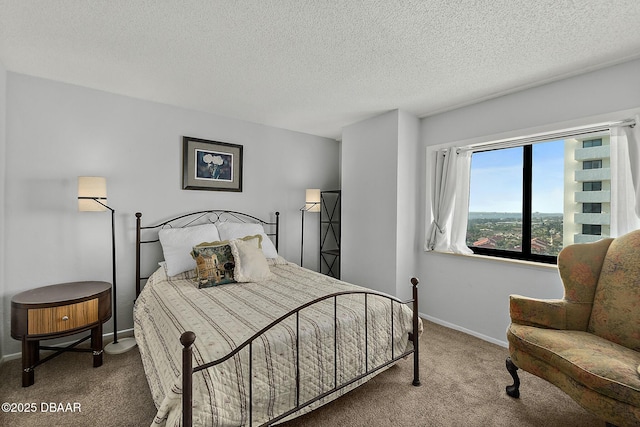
56	311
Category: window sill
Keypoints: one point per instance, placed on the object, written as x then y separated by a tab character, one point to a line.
514	262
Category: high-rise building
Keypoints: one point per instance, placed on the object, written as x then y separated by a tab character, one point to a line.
587	191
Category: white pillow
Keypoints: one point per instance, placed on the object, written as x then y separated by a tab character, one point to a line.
177	244
236	230
251	264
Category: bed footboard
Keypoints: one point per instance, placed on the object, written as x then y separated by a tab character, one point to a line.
188	338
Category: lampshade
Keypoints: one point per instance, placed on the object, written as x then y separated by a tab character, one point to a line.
92	187
312	196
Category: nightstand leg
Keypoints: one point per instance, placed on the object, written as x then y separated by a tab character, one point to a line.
96	345
30	357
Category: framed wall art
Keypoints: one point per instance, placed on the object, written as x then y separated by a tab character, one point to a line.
211	165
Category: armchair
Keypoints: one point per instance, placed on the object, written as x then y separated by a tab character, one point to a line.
588	343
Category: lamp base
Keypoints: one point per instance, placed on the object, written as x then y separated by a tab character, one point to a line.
122	346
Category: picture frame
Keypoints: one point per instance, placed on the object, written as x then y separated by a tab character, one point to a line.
211	165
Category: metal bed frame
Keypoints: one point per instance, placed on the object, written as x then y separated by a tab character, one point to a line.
188	338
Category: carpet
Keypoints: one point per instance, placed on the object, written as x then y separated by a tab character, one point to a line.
463	380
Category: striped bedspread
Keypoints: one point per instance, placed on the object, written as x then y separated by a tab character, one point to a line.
223	317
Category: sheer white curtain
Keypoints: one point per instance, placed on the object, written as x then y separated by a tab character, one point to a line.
625	177
449	197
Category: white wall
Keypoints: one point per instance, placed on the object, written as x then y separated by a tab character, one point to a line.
3	157
379	171
472	294
408	241
57	132
369	168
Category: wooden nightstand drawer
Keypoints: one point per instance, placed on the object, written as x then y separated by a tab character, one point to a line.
58	319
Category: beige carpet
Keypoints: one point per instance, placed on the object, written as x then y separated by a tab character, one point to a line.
463	380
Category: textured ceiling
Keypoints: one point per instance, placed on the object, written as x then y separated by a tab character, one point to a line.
315	66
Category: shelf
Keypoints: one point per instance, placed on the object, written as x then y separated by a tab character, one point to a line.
330	233
334	252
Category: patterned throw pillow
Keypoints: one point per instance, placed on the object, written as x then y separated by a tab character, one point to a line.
215	263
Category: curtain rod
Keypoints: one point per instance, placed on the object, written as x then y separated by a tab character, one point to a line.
520	141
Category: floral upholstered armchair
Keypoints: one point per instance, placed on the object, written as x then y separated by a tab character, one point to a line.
588	343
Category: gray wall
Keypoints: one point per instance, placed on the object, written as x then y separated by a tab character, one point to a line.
3	158
57	132
380	166
369	190
408	205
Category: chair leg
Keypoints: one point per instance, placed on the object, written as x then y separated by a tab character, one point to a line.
513	390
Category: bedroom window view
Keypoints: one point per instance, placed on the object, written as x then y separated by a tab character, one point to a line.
529	202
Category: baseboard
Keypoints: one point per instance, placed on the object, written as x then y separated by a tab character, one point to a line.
465	330
105	337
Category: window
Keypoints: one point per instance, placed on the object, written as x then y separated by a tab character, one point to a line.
592	186
592	207
592	143
528	202
592	164
591	229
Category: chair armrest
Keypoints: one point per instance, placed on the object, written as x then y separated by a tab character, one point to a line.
547	313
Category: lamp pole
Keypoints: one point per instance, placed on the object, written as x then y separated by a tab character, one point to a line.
113	266
307	207
95	189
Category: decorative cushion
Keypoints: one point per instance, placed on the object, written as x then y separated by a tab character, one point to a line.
616	305
177	243
236	230
215	263
255	241
251	264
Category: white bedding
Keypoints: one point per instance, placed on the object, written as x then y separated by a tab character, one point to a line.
223	317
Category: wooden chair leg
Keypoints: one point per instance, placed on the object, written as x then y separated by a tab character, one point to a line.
514	389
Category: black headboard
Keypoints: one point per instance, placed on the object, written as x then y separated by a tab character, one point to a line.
196	218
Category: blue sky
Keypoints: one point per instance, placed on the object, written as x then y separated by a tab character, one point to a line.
496	179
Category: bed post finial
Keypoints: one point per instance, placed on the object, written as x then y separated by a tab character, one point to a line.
416	333
187	339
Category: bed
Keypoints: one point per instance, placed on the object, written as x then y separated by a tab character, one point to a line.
276	343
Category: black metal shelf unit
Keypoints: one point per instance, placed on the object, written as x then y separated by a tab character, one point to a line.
330	233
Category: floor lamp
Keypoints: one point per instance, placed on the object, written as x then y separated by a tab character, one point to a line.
312	204
92	197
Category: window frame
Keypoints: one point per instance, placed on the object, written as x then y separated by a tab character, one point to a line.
589	143
585	186
588	207
591	163
527	214
592	225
